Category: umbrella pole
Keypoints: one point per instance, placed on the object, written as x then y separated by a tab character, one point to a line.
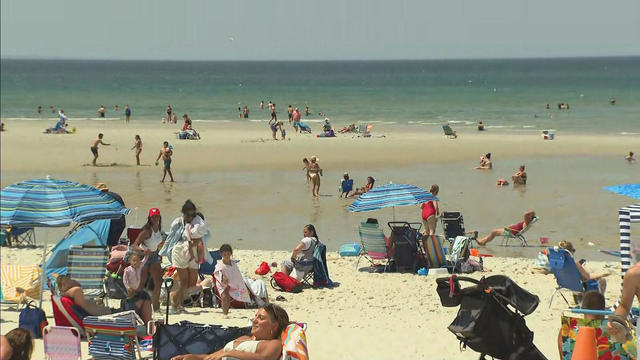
43	266
394	213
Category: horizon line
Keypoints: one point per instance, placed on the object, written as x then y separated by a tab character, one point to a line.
321	60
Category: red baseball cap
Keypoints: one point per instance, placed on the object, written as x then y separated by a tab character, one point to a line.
154	212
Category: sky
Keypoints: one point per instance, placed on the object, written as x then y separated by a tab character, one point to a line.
317	29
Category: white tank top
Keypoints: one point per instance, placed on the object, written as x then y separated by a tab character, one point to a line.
153	241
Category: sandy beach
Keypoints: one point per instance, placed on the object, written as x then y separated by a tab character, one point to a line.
253	192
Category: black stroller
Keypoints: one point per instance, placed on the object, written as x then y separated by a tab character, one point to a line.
491	316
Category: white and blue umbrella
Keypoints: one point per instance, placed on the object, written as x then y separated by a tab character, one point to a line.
391	195
53	203
49	202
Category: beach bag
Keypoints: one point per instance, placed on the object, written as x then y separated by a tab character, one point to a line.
284	282
469	266
190	338
115	287
33	319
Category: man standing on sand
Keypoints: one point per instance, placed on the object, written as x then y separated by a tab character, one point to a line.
290	111
94	147
274	116
165	153
296	119
127	113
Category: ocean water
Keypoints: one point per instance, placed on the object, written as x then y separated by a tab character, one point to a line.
504	94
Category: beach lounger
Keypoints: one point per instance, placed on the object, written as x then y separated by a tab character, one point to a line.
448	132
113	336
19	236
607	347
20	282
375	246
567	275
67	313
510	234
305	128
61	343
434	252
87	265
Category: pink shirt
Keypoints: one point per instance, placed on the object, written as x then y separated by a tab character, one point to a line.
131	276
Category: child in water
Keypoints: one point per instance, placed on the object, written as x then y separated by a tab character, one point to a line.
305	161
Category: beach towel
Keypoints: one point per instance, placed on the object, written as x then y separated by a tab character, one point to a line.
607	347
20	282
230	275
294	343
320	270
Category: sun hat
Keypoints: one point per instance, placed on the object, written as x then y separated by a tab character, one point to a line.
101	186
154	212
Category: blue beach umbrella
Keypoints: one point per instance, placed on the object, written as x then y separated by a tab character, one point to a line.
391	195
54	203
630	190
49	202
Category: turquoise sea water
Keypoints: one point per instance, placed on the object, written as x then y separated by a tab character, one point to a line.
509	94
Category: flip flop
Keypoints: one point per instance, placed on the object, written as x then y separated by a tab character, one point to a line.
620	324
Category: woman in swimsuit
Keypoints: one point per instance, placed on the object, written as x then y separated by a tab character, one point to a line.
138	146
315	172
485	162
520	177
149	241
364	189
514	228
264	342
430	212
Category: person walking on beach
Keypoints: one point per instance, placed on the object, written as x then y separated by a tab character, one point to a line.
274	115
430	212
165	153
290	112
94	147
296	119
239	113
101	111
306	163
169	110
306	111
315	172
127	113
138	146
283	132
245	112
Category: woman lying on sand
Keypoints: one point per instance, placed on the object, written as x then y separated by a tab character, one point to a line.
264	342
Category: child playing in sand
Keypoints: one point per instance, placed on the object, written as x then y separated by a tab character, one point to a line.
138	146
305	161
94	147
137	297
282	130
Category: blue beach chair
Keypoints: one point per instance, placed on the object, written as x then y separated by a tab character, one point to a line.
374	244
305	128
448	132
87	265
567	275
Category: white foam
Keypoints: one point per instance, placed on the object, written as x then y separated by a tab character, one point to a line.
31	119
629	133
212	121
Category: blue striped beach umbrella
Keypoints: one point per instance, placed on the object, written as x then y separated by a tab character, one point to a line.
391	195
630	190
49	202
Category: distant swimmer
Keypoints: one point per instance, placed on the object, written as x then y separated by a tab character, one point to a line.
290	111
547	107
53	109
630	157
116	108
101	111
94	147
174	118
39	109
127	113
261	104
239	113
480	126
245	112
169	110
270	105
612	101
306	111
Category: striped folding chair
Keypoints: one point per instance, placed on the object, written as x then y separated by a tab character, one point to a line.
19	282
87	265
61	343
113	336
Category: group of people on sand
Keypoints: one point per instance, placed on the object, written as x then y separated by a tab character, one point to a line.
346	186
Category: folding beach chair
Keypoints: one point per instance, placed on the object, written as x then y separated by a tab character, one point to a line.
305	128
364	130
132	233
20	282
67	313
61	343
566	272
405	240
510	234
319	275
448	132
452	225
113	336
87	265
375	246
434	252
607	347
19	236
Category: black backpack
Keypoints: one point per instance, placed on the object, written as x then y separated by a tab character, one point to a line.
405	247
485	323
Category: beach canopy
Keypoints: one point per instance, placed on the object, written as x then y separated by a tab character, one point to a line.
94	234
630	190
50	202
390	195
